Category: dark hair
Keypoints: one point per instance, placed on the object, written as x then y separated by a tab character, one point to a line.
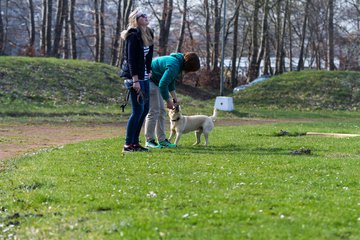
191	62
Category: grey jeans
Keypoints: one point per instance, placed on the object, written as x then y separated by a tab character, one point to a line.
155	120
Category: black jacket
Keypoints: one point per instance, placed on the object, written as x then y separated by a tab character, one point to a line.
134	47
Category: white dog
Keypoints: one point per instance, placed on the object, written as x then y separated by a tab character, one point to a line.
180	124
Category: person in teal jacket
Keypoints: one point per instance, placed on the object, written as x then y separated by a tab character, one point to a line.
165	71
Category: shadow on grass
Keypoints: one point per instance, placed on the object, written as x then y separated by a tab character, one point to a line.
233	150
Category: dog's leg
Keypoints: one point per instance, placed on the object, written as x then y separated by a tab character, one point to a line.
178	135
197	135
172	134
206	135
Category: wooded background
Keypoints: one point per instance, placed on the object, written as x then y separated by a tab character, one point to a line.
261	36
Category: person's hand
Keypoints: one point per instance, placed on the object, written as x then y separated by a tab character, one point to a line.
170	104
150	74
136	86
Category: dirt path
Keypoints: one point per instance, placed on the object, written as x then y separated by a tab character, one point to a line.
17	139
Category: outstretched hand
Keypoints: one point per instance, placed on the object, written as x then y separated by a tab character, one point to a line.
170	104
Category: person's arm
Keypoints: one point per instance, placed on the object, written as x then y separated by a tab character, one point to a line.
174	97
133	61
171	102
166	83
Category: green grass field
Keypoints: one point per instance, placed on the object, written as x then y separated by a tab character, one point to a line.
252	182
248	184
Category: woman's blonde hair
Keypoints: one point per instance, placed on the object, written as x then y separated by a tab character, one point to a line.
146	32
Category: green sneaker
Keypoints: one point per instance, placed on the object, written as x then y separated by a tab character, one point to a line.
166	143
152	144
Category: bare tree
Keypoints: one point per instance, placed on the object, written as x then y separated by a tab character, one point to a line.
45	39
264	37
49	27
280	61
102	31
43	28
97	32
234	81
252	71
123	12
300	65
164	24
66	38
116	40
2	35
72	27
60	18
207	32
290	52
182	28
31	46
216	42
330	45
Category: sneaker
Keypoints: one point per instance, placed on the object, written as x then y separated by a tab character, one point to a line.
128	148
152	144
139	148
166	143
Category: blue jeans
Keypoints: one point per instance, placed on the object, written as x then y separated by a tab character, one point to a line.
140	108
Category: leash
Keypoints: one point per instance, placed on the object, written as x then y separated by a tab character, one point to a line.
126	98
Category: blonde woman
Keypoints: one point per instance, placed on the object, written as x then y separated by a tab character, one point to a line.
138	55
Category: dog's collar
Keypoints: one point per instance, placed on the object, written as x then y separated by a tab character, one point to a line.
174	120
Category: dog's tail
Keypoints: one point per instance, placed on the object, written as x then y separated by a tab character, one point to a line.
214	116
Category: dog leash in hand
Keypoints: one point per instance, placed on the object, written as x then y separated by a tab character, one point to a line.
126	98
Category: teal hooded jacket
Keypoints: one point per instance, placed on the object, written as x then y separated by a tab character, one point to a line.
165	71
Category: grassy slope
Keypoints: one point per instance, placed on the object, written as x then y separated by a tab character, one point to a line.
306	90
58	89
65	90
47	87
48	80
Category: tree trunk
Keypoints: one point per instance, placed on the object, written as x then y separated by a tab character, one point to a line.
102	31
58	28
330	48
31	47
48	27
116	41
164	24
2	34
190	36
254	43
97	30
217	30
234	74
290	37
264	37
207	32
127	6
43	28
278	37
73	30
66	39
281	60
182	29
300	65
